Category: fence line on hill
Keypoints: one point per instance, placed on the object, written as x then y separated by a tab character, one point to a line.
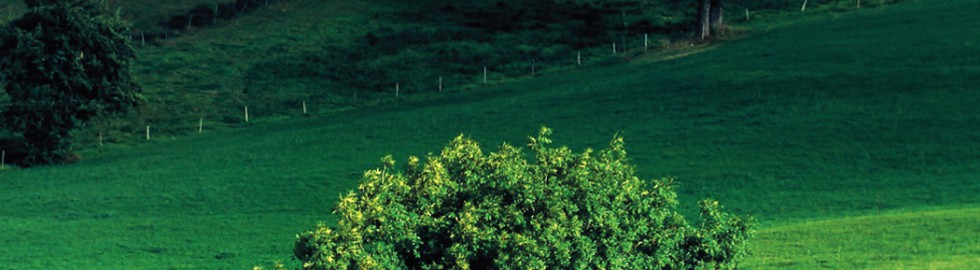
487	79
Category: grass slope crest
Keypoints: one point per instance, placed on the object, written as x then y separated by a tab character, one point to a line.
464	209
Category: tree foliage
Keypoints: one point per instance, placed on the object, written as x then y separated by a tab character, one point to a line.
463	209
64	62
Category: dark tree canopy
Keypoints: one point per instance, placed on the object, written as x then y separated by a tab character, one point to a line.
64	62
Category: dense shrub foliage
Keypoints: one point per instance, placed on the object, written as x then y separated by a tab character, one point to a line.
468	210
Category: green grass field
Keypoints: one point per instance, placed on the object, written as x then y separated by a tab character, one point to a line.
937	239
853	138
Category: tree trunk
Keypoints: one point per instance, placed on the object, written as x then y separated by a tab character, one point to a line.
717	19
704	18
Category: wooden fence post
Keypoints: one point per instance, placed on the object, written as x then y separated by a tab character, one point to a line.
646	42
246	114
147	133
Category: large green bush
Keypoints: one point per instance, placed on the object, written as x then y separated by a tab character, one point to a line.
463	209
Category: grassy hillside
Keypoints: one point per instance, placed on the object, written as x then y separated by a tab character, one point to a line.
282	53
944	239
326	53
845	115
338	55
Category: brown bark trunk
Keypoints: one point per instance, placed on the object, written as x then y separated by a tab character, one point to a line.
704	18
717	19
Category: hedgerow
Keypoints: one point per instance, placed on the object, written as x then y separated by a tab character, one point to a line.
464	209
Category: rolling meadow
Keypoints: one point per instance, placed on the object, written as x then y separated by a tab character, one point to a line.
851	135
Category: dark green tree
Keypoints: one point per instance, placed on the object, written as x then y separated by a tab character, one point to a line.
63	63
463	209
